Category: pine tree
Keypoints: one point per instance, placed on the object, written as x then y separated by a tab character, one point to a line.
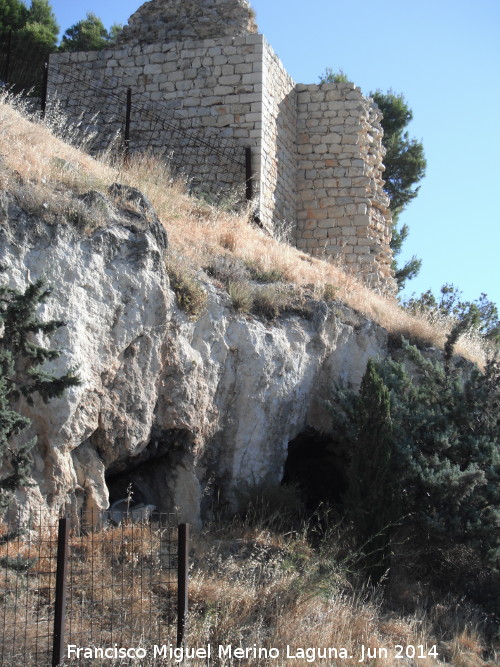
368	499
13	16
22	376
11	423
481	313
425	448
29	35
41	12
405	166
446	456
89	34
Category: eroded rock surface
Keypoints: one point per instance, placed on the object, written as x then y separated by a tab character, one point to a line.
182	410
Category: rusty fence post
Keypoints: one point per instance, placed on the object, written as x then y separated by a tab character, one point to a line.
182	580
45	85
128	114
249	183
60	601
248	173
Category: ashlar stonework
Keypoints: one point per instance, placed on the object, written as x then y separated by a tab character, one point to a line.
317	151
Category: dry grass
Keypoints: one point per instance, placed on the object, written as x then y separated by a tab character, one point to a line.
46	173
252	585
121	588
255	585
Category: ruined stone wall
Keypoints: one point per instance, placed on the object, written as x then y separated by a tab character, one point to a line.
342	209
316	149
181	20
207	87
278	148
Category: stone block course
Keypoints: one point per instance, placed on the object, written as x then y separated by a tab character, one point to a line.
317	151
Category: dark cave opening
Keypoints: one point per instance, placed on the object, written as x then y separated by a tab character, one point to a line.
317	467
149	478
132	483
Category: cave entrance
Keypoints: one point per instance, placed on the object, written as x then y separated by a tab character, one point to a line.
134	484
152	477
316	466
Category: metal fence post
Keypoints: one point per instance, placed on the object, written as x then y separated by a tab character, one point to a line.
7	61
182	580
248	173
60	601
45	84
127	123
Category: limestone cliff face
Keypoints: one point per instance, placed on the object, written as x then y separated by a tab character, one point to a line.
182	409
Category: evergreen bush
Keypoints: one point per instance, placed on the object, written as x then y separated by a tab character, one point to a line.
424	443
22	375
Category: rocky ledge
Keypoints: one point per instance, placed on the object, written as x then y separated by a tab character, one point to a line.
183	409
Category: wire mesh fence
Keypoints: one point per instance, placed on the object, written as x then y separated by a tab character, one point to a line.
209	159
117	115
28	564
120	587
113	116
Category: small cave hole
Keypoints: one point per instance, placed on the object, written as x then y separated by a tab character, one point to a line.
150	477
128	484
316	466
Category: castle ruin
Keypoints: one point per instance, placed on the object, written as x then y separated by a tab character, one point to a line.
317	155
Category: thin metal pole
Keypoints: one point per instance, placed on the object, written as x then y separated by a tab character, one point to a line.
60	602
45	84
248	173
127	123
7	62
182	580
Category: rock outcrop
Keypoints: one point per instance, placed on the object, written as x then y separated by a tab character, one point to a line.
182	409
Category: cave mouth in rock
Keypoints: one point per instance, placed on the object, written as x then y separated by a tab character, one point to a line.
316	466
130	484
150	477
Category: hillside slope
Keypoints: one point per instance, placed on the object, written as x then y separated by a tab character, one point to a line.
204	349
196	371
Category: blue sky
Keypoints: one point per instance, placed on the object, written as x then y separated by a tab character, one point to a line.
444	56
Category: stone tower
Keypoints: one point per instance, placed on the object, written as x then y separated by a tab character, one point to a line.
316	150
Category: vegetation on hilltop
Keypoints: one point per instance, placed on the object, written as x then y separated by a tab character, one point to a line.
89	34
260	580
29	35
405	166
423	440
47	175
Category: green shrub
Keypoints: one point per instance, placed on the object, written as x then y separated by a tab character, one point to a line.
329	292
190	295
424	443
369	498
261	275
330	76
241	294
269	302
